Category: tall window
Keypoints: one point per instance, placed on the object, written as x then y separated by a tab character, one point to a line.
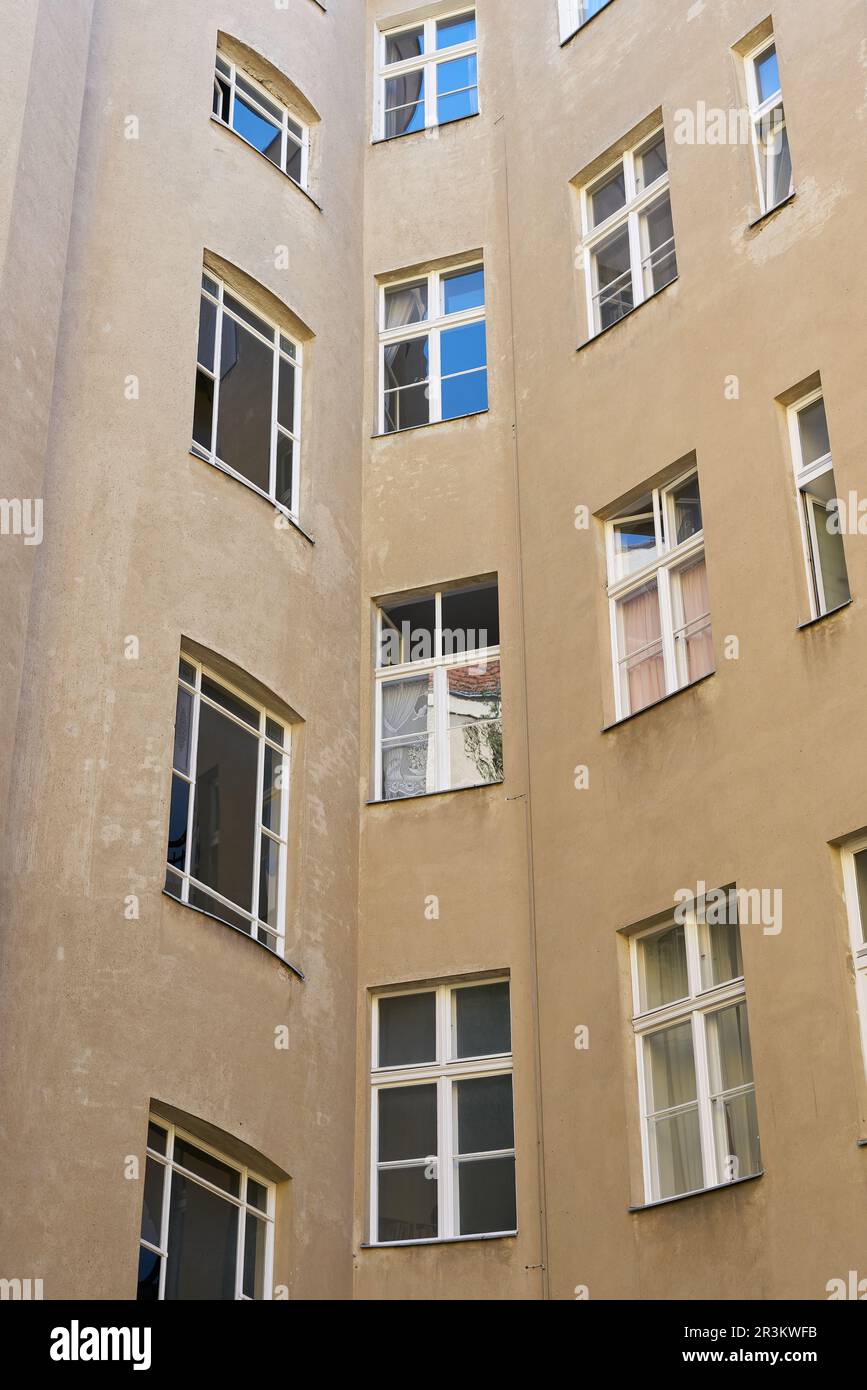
574	13
658	595
628	233
770	137
248	396
820	517
207	1224
443	1160
695	1070
855	880
433	348
427	73
246	107
437	698
229	814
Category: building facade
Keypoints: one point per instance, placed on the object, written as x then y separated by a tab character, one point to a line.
431	510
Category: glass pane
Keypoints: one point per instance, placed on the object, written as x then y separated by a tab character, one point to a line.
830	558
261	133
720	953
471	619
767	73
675	1146
409	44
464	290
407	1204
272	789
486	1196
269	881
203	1239
173	885
482	1023
686	502
408	761
152	1203
275	731
457	75
861	877
294	160
203	411
463	349
609	197
206	1166
183	730
736	1133
257	1195
245	409
731	1062
407	1122
410	633
776	158
406	304
210	285
241	310
406	363
254	1257
221	99
484	1114
259	97
643	664
662	971
157	1138
178	814
475	725
404	104
206	902
226	807
457	29
696	636
464	395
652	162
660	266
635	539
207	331
407	1030
233	703
148	1276
456	105
407	408
669	1068
286	395
285	477
613	274
813	431
186	672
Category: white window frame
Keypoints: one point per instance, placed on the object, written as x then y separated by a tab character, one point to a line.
227	71
573	16
439	664
258	928
762	111
664	568
167	1161
432	328
696	1007
857	933
282	345
444	1072
805	474
639	201
429	61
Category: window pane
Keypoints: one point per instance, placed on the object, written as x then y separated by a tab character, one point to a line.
207	330
400	47
254	1257
405	304
156	1138
242	312
695	636
652	162
407	1204
643	665
463	349
285	476
731	1062
613	275
736	1133
675	1145
660	265
269	879
148	1276
246	391
404	104
457	105
720	953
776	158
826	543
226	807
662	972
183	729
407	1122
463	290
687	510
482	1023
261	133
475	730
813	431
635	539
272	789
177	846
186	672
861	877
408	761
471	619
152	1204
457	93
407	408
233	703
486	1196
203	1238
669	1068
411	632
464	395
206	1166
609	197
406	404
286	395
294	160
767	73
206	902
407	1029
484	1114
220	104
203	411
456	29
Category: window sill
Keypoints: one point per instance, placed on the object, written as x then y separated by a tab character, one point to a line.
191	907
699	1192
811	622
632	312
406	134
287	516
771	212
434	1240
275	167
581	27
427	796
627	718
431	424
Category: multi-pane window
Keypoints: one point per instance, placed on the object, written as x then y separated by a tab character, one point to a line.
768	118
695	1070
442	1124
855	880
658	595
229	814
820	519
438	705
247	412
207	1225
245	107
433	348
574	13
427	73
628	233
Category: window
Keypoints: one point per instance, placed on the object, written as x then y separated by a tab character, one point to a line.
433	346
628	233
437	698
574	13
428	74
247	412
768	117
230	807
695	1070
207	1224
819	513
443	1161
658	595
855	881
246	107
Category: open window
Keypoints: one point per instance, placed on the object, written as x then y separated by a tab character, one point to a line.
819	513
